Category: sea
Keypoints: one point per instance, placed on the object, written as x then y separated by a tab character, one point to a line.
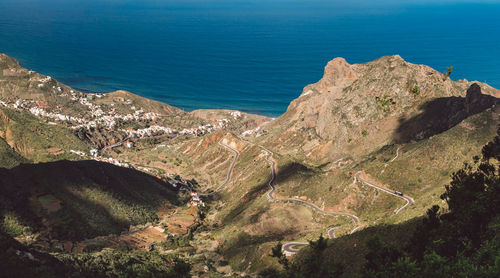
251	55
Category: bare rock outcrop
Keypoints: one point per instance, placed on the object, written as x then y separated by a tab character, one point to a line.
355	109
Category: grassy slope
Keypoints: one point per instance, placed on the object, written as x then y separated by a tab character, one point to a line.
414	173
8	157
350	250
32	138
425	166
96	198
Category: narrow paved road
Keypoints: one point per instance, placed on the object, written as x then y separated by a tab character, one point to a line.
270	194
409	200
290	246
229	172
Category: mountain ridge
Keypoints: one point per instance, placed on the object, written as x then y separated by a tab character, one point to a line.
347	122
352	101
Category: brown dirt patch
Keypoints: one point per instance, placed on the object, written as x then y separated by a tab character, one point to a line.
54	151
321	151
50	203
165	212
343	206
143	238
179	222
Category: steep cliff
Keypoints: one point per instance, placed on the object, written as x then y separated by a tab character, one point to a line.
355	109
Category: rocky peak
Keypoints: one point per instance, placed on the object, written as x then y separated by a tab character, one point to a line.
472	96
337	73
358	108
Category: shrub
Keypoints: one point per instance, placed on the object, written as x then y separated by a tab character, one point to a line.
415	91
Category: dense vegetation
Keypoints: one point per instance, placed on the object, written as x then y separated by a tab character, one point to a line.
8	157
79	200
36	140
135	263
17	260
461	240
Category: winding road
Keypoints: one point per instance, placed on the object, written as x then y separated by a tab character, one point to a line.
229	172
270	196
290	247
409	200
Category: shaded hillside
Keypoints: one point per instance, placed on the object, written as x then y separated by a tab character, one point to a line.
17	260
76	200
441	114
8	157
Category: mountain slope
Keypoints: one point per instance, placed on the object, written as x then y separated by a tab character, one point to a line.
318	146
37	140
67	200
8	157
356	109
457	237
388	122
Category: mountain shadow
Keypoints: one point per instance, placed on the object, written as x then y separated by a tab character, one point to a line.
17	260
441	114
286	172
294	170
75	200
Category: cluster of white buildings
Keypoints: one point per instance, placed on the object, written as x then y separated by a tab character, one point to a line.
40	112
42	81
157	130
152	130
99	117
236	114
195	200
96	117
204	129
94	155
251	131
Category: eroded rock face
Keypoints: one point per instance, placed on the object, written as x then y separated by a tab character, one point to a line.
472	97
355	109
337	73
476	101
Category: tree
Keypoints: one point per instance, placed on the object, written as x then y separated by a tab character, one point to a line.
320	244
447	73
462	241
181	268
277	252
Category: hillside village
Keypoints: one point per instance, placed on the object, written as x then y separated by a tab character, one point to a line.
97	118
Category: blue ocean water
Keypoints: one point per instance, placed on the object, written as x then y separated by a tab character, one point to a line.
250	55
